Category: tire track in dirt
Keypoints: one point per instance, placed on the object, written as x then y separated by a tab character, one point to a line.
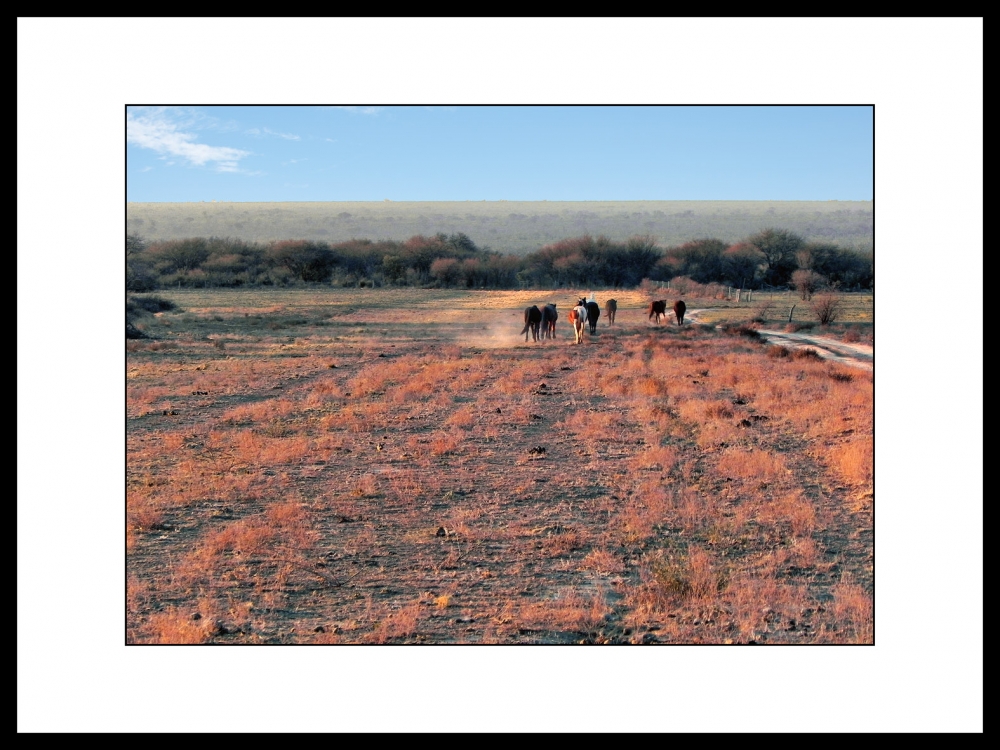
855	355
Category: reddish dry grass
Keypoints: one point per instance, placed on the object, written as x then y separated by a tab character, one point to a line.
347	479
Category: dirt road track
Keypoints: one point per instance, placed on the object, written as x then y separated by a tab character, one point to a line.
854	355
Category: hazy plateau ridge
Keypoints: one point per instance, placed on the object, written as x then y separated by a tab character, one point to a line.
517	227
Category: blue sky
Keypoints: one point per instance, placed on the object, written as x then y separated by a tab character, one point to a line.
530	153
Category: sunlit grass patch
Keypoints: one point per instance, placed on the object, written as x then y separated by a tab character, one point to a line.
752	465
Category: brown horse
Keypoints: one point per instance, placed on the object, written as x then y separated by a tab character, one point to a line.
658	308
549	318
610	308
532	322
679	308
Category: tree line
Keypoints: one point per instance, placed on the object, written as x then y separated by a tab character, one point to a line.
768	258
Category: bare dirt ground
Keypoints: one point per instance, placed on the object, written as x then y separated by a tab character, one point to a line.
335	473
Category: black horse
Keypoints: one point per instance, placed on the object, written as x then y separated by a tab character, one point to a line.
532	322
593	313
549	318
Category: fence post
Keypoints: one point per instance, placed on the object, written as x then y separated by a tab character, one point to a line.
790	313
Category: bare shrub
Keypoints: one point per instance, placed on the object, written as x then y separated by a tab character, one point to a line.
806	282
763	310
827	308
806	353
673	576
741	329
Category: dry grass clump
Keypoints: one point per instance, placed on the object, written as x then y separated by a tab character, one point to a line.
397	624
589	425
762	605
673	575
751	465
603	562
661	458
649	386
177	628
464	417
792	508
571	611
366	486
699	410
854	461
853	609
445	442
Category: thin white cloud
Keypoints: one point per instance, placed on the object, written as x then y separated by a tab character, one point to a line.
268	131
360	110
157	130
292	161
286	136
145	169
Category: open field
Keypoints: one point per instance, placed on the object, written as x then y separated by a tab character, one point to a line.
399	466
515	227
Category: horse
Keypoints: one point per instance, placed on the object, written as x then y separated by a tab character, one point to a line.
658	308
610	308
532	321
679	308
577	317
549	318
593	313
